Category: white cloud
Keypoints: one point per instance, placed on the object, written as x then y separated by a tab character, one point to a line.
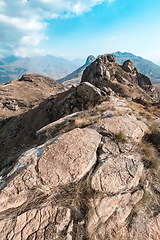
24	22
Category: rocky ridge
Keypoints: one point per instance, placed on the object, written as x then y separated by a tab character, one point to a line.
20	95
92	174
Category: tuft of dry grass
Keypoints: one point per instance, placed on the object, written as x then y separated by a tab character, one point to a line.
81	122
154	127
77	197
121	137
150	154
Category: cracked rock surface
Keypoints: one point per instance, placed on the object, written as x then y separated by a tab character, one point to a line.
83	184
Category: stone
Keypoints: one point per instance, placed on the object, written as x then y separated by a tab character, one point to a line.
109	214
70	157
89	92
129	125
128	66
111	57
118	174
45	223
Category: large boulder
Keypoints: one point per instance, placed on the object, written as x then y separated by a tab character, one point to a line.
128	66
89	92
118	174
100	70
127	125
29	198
69	158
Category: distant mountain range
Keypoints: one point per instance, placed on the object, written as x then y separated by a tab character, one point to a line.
68	72
144	66
50	66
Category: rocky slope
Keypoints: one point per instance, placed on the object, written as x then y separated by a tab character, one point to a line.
20	95
92	168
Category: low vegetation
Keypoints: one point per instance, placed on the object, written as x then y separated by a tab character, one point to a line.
121	137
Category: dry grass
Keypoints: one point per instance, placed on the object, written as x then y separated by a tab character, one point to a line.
153	127
150	154
81	122
121	137
77	197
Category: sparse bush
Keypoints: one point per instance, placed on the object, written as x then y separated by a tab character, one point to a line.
81	122
77	197
150	154
121	137
118	77
154	127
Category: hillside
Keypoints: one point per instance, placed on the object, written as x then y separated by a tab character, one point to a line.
20	95
84	164
12	68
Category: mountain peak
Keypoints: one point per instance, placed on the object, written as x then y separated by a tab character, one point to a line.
90	59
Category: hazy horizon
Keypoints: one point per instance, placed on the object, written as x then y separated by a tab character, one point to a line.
75	29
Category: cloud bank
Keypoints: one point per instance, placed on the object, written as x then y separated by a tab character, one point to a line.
23	22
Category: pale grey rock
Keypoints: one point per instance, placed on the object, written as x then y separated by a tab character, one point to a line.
118	174
129	125
89	92
70	157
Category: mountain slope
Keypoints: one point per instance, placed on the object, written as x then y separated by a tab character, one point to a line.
20	95
144	66
12	68
90	174
75	77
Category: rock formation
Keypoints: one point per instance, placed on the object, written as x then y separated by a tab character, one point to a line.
84	164
125	79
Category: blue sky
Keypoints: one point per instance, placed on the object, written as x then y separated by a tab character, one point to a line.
78	28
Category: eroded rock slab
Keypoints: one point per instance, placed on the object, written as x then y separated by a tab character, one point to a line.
108	216
129	125
70	157
44	224
118	174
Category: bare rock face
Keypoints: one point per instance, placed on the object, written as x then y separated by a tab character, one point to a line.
45	223
69	158
83	184
128	125
99	70
89	92
118	174
28	204
129	67
111	57
124	80
108	215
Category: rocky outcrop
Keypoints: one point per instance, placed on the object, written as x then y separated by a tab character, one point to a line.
82	184
124	80
129	125
129	67
93	177
89	92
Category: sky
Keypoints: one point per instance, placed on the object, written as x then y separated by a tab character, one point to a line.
78	28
